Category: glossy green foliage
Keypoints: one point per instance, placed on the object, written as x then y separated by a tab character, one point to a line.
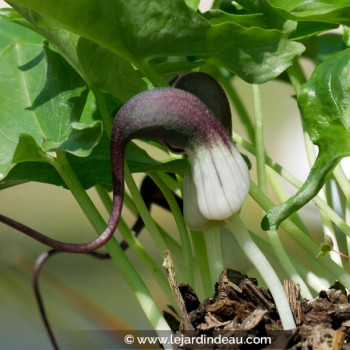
41	102
120	48
11	33
335	11
138	31
100	68
324	102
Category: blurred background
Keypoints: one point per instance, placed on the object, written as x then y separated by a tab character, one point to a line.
82	293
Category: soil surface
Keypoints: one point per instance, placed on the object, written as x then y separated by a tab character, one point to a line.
241	308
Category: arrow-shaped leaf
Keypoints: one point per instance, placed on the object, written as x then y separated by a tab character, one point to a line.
41	97
324	102
335	11
140	30
100	68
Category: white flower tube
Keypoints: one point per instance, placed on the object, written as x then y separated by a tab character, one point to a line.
218	186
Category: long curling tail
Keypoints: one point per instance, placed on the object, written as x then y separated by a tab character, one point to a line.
70	247
118	195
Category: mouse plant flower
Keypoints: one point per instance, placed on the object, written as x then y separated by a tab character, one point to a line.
213	95
219	182
220	179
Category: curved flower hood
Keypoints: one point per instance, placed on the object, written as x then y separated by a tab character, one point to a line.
220	177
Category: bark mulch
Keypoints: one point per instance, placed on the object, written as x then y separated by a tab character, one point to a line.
239	307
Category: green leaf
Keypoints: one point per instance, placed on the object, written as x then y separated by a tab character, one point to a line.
139	161
320	47
81	140
100	68
324	102
11	33
261	55
271	19
335	11
324	250
94	169
294	27
326	247
41	100
307	29
28	149
252	6
193	4
138	31
250	20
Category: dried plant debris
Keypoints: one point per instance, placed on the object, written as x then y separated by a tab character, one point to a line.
240	307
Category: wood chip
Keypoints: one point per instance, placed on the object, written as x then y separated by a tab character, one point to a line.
255	295
211	322
293	294
168	265
338	340
253	319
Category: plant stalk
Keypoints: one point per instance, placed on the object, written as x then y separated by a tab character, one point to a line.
212	236
180	222
265	269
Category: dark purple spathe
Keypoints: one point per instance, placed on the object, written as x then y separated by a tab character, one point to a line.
170	115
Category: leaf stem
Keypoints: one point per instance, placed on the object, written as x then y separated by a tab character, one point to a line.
106	117
346	37
203	263
298	236
156	79
282	196
130	204
146	260
315	281
342	180
180	222
212	236
296	75
64	169
265	269
344	184
327	224
286	263
259	139
142	209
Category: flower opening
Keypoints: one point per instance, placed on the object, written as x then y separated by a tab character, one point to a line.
219	184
